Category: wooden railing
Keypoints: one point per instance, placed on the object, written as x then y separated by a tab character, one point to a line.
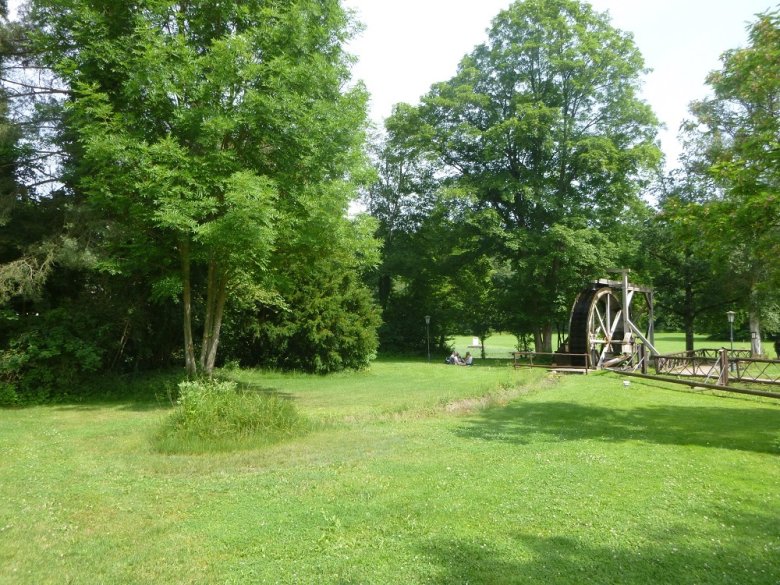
720	366
712	353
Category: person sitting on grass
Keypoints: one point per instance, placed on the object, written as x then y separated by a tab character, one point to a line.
454	359
468	359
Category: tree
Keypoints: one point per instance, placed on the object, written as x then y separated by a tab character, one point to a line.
738	138
689	282
324	319
403	194
21	272
412	279
542	126
205	132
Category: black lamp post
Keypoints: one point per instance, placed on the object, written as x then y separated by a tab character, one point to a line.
428	334
730	315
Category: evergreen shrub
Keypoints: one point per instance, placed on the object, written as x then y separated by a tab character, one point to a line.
329	324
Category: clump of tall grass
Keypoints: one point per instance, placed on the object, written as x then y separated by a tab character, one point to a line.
214	415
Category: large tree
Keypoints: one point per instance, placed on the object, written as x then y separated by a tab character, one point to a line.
403	194
202	133
737	144
543	127
690	284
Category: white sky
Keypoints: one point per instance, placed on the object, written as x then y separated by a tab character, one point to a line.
408	45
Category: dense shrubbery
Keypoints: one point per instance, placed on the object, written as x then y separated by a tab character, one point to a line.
50	356
326	327
214	415
82	327
324	318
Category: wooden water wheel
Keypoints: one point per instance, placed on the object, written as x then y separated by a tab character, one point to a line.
601	328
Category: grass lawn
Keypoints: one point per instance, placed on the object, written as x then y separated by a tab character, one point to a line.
418	473
500	345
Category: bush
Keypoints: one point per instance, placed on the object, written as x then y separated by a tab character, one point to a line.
52	356
8	395
329	325
215	415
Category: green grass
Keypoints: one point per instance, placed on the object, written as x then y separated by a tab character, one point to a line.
214	415
500	345
390	389
409	480
673	342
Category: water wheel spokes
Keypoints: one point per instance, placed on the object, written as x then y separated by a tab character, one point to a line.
601	331
605	326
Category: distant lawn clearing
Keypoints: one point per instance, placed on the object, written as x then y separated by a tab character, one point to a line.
570	480
500	345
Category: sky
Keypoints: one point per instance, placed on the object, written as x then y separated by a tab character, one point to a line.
408	45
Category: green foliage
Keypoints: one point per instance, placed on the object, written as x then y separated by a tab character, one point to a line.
8	394
539	146
689	284
324	319
536	130
52	356
198	137
733	145
329	325
427	271
213	415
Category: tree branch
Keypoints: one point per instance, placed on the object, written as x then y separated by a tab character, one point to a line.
44	182
38	92
30	86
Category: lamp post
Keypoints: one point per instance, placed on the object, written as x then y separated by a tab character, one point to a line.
730	315
428	334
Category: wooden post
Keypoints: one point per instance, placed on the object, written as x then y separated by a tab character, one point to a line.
651	318
642	357
723	379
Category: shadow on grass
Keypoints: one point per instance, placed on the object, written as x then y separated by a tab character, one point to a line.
266	390
720	427
561	560
118	404
142	393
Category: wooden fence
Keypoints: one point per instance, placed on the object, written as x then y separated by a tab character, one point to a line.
720	366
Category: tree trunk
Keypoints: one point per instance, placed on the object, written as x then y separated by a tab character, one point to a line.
190	364
689	333
216	293
688	317
543	338
755	334
208	324
219	309
385	285
547	332
755	323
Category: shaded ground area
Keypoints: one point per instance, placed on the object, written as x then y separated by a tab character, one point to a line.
755	429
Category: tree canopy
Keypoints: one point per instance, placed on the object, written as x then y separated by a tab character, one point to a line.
207	148
541	139
735	143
